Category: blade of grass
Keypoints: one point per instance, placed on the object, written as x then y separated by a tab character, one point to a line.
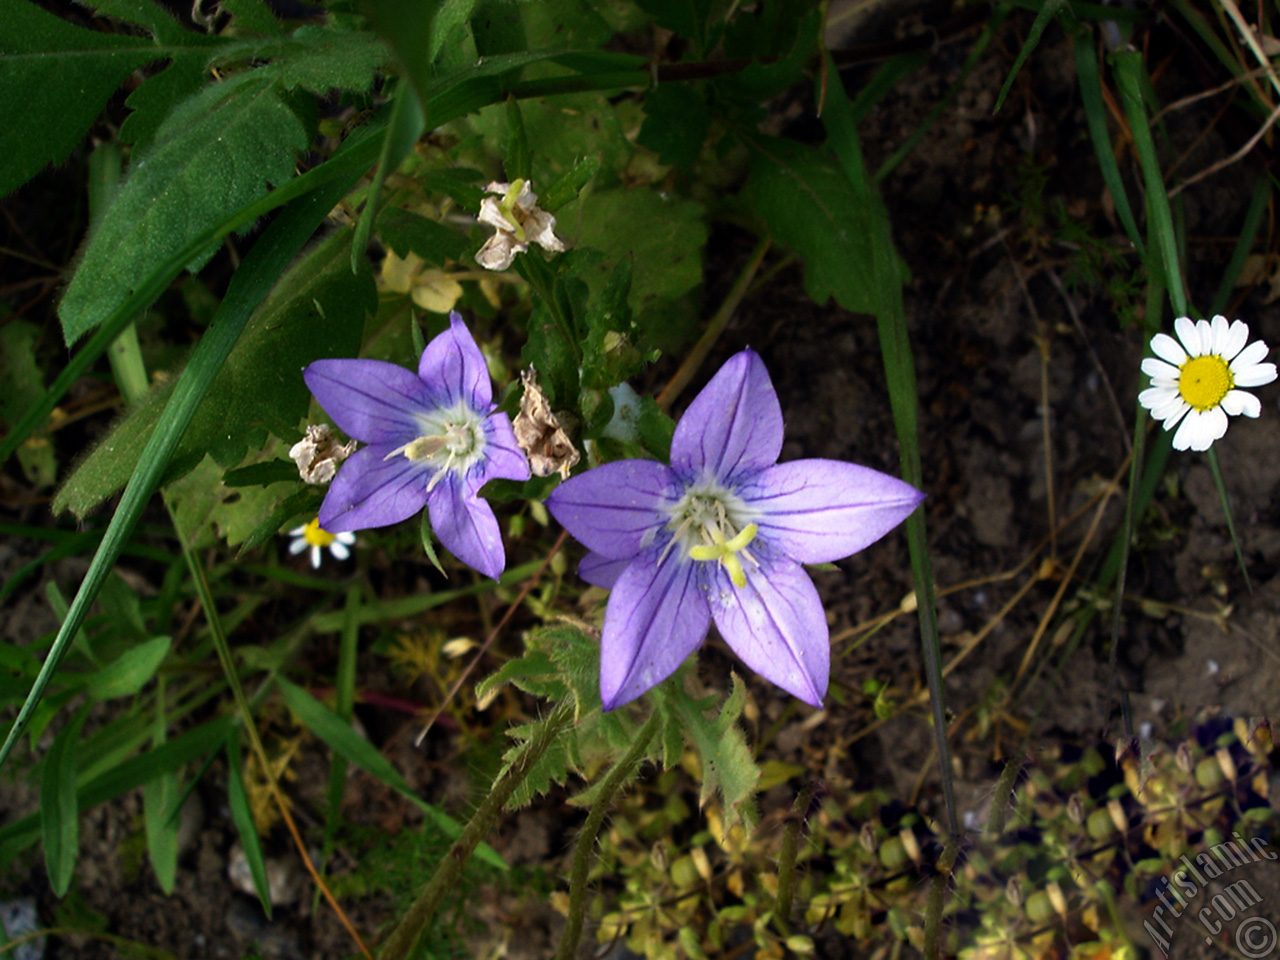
344	707
249	286
242	817
403	129
900	372
1258	205
157	809
1095	114
1048	10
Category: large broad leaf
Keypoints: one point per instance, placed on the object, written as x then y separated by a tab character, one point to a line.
807	203
316	310
55	78
220	150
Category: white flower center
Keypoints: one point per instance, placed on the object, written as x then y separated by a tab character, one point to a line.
711	523
450	440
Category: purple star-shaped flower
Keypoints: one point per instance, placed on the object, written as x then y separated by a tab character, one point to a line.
721	534
433	438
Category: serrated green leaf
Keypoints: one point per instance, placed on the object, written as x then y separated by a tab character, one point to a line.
205	508
727	765
128	673
59	813
320	58
552	768
262	474
570	185
218	151
805	200
55	78
533	673
315	310
159	94
340	737
242	817
252	15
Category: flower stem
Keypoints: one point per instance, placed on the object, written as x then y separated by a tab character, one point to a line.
619	775
787	856
937	892
1226	508
400	944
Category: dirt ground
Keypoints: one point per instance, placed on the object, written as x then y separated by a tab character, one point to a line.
1005	340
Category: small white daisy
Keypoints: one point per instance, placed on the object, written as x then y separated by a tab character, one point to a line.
1196	381
311	535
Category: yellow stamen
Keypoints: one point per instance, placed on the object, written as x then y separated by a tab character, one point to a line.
726	552
1204	381
317	537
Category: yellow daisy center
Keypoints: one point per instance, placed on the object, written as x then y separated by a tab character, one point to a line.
1204	381
316	536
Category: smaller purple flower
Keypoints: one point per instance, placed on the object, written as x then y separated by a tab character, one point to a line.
433	439
720	535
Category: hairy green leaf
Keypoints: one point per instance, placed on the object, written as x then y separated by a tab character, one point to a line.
316	310
676	123
221	149
252	15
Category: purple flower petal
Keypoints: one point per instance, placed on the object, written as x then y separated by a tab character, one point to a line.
455	368
733	426
616	509
776	625
816	511
370	491
370	400
503	459
656	617
466	526
601	571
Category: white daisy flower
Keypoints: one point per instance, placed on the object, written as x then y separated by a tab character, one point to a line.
311	535
519	221
1196	381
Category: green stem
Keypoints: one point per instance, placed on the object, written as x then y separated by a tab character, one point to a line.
620	774
787	857
400	944
1226	508
937	896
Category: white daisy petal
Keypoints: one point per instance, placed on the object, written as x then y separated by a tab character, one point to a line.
1238	402
1153	397
297	546
1185	328
315	558
1167	348
1205	330
1257	375
339	550
1171	412
1250	355
346	537
298	531
1237	337
1159	370
1220	332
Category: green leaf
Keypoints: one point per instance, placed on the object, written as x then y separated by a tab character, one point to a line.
428	545
262	474
316	310
1046	13
242	817
676	123
159	94
59	813
727	765
320	58
403	130
340	737
570	185
128	673
407	233
21	385
663	236
159	816
55	79
218	151
804	199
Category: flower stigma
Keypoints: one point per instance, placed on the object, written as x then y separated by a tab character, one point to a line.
511	212
708	524
1204	381
316	536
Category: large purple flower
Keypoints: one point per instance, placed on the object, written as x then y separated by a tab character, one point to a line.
433	438
721	534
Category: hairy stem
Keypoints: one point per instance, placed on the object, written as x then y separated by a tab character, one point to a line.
419	916
787	856
622	772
